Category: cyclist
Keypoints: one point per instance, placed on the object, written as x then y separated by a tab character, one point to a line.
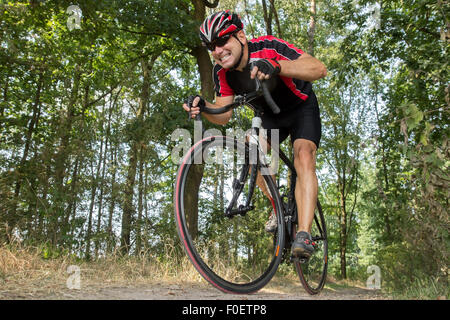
222	33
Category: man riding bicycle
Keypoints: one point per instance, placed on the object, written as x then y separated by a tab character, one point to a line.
222	33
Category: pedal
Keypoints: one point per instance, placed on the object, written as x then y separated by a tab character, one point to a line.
299	260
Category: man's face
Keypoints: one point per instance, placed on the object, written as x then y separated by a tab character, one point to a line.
228	54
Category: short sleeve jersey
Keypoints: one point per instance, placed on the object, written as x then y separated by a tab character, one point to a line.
288	92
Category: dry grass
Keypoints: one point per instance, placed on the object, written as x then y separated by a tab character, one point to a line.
25	273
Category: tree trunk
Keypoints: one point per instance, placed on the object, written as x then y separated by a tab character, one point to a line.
113	163
111	243
205	70
207	91
250	24
5	97
73	201
267	18
42	203
28	140
61	158
95	178
385	188
312	28
202	57
100	199
277	20
140	203
343	236
112	105
65	226
128	208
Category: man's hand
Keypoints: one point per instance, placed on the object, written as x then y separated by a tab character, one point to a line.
265	69
197	103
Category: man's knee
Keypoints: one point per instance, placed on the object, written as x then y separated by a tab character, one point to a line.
304	155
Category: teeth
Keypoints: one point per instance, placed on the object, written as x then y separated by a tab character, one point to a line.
225	57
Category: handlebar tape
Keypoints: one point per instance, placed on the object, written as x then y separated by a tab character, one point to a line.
268	97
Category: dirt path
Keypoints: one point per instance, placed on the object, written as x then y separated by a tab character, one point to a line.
196	292
276	290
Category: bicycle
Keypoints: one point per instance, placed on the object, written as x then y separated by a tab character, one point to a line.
222	226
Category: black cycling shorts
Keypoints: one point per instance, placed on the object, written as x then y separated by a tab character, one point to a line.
299	122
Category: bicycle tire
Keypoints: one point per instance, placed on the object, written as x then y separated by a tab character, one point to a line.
313	272
205	261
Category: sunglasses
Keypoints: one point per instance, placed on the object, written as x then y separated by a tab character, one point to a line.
219	42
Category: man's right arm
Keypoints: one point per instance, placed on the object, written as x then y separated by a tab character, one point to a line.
220	119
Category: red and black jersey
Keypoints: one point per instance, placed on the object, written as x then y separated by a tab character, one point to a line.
288	91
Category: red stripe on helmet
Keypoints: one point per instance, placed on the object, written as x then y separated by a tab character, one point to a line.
227	30
221	19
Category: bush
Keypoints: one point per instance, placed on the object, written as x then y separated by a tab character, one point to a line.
407	273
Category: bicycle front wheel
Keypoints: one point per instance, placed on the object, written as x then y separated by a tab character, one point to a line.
235	254
313	272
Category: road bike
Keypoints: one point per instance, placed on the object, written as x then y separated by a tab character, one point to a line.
221	210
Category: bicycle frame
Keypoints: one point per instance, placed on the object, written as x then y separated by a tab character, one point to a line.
290	212
290	207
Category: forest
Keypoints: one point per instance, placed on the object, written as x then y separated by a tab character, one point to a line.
91	92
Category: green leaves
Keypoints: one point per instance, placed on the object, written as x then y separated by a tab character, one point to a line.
425	135
413	115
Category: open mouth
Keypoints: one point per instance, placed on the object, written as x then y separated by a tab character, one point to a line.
225	58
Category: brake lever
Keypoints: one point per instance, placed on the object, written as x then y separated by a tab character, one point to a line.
189	102
258	85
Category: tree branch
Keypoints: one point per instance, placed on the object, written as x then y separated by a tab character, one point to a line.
146	33
211	5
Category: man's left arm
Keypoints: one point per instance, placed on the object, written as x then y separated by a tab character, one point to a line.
305	67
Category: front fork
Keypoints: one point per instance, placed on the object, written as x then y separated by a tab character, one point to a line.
252	161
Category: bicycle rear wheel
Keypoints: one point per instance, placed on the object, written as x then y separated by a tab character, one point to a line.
234	254
313	272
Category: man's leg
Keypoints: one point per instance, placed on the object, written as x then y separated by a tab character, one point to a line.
306	185
305	192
